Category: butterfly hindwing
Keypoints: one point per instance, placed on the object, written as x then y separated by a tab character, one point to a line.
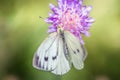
63	65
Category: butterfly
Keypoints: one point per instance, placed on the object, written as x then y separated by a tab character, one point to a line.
58	52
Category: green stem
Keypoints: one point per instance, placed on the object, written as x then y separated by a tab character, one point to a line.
58	77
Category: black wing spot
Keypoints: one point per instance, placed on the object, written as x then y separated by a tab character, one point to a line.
54	57
46	58
36	60
74	52
78	50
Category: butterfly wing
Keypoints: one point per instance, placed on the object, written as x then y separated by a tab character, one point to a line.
46	55
63	65
76	50
54	53
50	55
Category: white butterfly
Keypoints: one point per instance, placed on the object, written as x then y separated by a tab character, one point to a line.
58	52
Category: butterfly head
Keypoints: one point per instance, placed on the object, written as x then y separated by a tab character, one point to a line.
60	30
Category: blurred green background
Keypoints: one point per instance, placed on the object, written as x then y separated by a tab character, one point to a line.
22	31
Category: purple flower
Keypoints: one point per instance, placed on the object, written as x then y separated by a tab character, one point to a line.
71	15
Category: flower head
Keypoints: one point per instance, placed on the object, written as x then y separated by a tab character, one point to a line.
71	15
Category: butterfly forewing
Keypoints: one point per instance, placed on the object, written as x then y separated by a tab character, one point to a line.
46	55
75	50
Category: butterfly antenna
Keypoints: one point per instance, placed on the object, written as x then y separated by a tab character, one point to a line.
41	18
